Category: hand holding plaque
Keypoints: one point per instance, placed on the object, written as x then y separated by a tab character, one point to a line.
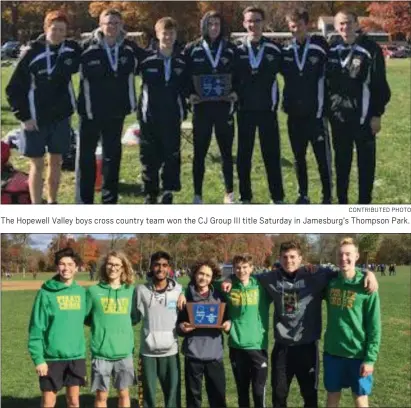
206	314
213	87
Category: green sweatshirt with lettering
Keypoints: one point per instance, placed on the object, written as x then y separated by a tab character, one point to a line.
248	310
353	319
56	329
110	315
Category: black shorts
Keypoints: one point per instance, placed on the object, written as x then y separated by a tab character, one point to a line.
64	373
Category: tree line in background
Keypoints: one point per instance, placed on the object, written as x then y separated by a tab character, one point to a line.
19	256
23	20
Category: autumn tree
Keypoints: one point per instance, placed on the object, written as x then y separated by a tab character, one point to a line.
393	16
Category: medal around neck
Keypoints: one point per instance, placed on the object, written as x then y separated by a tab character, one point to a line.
208	315
50	68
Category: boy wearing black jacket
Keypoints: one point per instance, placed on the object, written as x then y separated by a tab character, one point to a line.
203	347
357	95
108	66
211	55
258	62
41	96
303	68
161	110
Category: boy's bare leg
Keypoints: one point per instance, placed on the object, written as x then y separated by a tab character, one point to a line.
333	399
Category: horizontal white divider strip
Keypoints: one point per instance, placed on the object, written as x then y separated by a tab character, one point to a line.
206	218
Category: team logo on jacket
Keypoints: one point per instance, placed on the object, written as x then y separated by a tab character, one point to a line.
123	60
224	60
93	62
68	61
355	67
178	71
269	57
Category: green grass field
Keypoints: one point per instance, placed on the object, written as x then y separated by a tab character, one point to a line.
392	184
392	376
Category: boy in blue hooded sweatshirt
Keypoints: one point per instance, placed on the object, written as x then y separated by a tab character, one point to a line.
56	332
109	313
203	348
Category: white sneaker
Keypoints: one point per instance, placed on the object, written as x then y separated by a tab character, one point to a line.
229	198
197	200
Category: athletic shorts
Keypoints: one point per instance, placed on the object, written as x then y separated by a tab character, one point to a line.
122	372
55	138
342	372
63	373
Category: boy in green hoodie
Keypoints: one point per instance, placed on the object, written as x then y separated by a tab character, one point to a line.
353	335
109	313
56	332
248	309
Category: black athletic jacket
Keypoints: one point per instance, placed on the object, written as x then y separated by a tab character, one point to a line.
359	90
258	92
103	93
33	94
158	98
304	91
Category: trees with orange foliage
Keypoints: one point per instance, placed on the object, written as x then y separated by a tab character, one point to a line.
393	16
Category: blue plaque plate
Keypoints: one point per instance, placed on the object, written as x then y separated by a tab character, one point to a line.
213	87
206	314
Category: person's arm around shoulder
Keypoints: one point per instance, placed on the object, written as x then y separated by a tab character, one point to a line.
379	89
373	333
37	328
136	314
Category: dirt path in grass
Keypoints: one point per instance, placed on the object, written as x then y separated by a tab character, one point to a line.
31	285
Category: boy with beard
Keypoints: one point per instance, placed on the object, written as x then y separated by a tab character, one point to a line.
156	306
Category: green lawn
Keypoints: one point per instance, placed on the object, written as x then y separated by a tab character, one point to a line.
392	376
392	184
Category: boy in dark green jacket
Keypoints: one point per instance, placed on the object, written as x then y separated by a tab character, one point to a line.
248	309
109	313
353	335
56	332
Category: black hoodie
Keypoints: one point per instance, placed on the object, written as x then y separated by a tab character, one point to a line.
33	93
203	343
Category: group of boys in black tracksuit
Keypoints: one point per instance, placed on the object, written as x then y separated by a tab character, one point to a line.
345	83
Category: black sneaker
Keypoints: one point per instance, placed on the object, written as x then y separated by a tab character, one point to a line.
167	198
150	199
303	200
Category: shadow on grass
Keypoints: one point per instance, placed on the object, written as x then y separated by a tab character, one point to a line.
86	401
135	189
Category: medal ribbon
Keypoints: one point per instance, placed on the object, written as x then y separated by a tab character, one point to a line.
113	60
50	68
255	61
213	61
167	68
301	63
347	59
